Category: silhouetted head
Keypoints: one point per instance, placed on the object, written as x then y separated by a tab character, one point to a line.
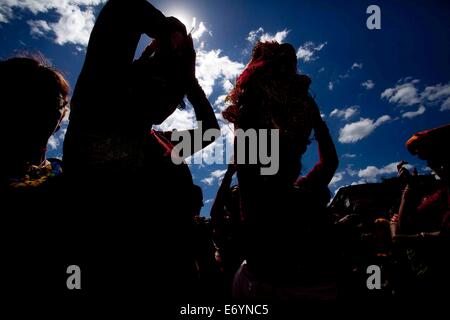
265	50
33	99
270	62
432	146
271	94
281	56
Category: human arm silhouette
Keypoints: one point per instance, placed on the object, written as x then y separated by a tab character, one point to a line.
202	108
101	102
217	209
323	171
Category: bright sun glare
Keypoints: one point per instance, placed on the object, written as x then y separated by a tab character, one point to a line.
186	18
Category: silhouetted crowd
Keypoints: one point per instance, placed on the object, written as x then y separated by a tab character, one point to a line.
119	208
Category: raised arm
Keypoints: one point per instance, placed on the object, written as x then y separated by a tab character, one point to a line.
407	223
137	15
196	96
101	94
118	28
217	209
323	171
202	108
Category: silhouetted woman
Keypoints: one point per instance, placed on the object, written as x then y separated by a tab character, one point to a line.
271	95
117	99
33	100
128	190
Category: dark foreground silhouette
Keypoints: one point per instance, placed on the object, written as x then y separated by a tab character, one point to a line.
121	210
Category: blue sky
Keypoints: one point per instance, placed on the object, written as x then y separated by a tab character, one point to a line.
375	88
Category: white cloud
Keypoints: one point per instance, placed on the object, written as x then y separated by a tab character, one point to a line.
354	66
56	140
356	131
345	113
39	27
220	104
348	155
372	173
74	26
179	120
346	75
254	35
199	30
350	170
278	37
212	66
227	85
75	18
369	84
216	175
437	92
220	100
208	181
357	65
404	93
336	178
260	35
307	52
53	143
446	105
356	183
412	114
330	86
5	13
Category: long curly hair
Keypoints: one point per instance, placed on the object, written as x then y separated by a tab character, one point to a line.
271	94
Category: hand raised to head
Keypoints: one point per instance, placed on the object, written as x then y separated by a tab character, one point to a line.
177	33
